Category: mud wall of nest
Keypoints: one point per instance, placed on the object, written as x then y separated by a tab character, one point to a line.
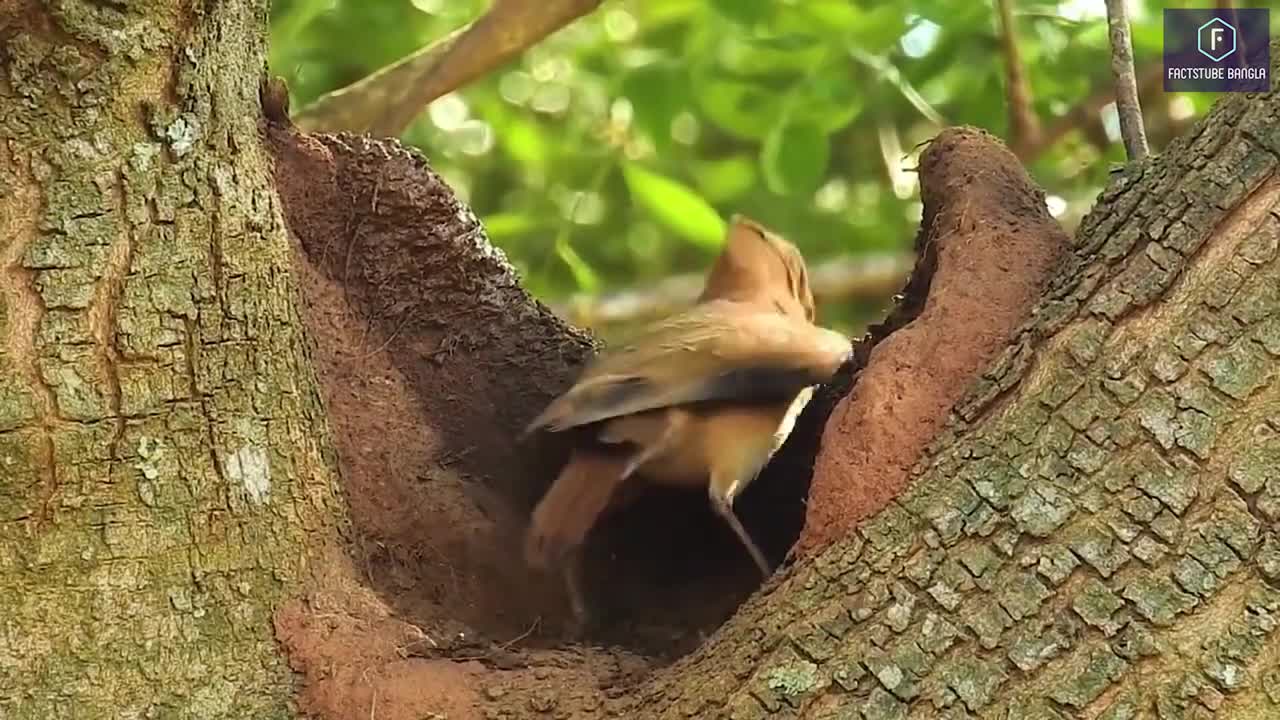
432	358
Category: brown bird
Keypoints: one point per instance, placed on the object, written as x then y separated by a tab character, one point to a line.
703	398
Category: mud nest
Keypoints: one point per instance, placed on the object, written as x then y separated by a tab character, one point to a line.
430	358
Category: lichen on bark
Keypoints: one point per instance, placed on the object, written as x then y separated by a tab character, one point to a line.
165	474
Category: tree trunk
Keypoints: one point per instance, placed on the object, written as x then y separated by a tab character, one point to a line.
1092	535
165	471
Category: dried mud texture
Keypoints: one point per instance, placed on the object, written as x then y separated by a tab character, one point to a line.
425	390
987	246
431	359
361	661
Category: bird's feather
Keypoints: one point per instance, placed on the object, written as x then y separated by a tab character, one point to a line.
717	351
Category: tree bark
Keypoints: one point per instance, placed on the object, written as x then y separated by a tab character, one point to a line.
166	475
1092	535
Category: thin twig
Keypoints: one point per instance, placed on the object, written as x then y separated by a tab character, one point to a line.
1024	124
1129	109
536	622
900	176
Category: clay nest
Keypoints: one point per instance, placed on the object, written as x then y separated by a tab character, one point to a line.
431	358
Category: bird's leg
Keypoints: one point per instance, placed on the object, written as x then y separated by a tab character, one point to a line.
572	570
566	514
723	503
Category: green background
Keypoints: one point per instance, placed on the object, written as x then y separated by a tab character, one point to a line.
609	155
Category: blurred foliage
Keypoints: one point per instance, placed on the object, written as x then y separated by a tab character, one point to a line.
611	154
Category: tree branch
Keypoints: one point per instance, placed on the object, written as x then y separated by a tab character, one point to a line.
1148	81
1127	105
384	103
1024	124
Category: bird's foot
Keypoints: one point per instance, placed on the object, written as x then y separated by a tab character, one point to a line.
724	507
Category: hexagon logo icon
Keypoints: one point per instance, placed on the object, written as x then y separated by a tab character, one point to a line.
1216	39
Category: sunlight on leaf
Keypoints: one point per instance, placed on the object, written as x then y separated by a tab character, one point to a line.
583	275
726	179
677	206
773	108
500	226
524	141
838	14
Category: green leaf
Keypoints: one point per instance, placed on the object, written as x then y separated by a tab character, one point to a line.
795	158
503	225
740	109
878	30
524	141
744	12
675	205
828	99
832	14
583	275
657	92
656	14
769	57
725	179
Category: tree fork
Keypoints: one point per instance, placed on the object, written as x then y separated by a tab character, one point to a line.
1087	504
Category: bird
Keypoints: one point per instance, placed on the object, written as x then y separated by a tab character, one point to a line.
703	398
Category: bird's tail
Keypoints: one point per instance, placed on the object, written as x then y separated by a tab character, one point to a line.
564	516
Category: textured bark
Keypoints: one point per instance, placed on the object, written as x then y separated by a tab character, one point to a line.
165	471
1094	535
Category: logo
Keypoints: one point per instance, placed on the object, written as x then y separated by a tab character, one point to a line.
1214	36
1226	50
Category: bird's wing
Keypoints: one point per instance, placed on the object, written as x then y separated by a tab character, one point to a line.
719	350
